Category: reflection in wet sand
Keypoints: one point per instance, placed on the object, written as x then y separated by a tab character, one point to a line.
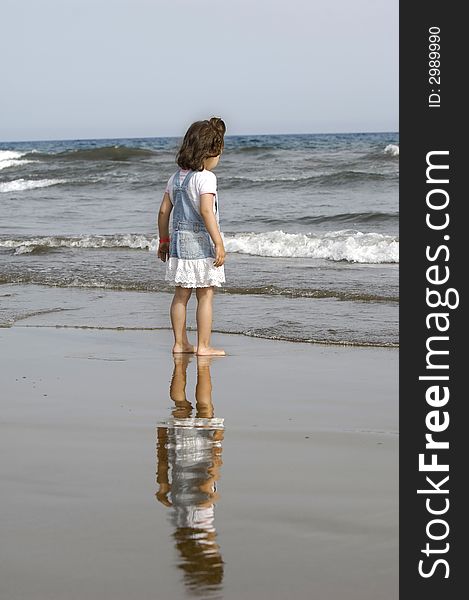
188	467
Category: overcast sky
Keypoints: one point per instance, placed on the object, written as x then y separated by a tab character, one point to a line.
142	68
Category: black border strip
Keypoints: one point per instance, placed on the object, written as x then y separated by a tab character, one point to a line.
433	253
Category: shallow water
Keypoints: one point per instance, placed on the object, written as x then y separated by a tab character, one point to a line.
272	317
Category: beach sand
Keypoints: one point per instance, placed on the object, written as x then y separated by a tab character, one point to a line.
307	485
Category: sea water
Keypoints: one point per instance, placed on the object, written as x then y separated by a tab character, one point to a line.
310	224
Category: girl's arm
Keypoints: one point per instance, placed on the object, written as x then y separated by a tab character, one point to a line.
206	212
163	226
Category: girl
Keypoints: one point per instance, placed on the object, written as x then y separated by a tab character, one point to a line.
195	253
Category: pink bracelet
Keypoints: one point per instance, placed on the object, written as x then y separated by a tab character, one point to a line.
164	240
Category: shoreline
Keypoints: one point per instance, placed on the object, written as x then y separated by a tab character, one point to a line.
244	315
389	346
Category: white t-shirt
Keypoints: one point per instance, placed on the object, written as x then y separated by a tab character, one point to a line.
202	182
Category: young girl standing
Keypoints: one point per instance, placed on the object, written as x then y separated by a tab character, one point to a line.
195	253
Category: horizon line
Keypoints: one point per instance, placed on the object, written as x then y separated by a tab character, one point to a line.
152	137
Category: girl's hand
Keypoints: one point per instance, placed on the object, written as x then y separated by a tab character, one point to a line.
219	255
163	251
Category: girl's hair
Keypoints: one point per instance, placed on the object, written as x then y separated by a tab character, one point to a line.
203	139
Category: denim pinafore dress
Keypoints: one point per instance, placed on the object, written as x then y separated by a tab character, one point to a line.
191	250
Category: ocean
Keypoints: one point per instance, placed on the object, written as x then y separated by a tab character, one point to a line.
310	221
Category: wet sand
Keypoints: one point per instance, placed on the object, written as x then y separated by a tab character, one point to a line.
305	470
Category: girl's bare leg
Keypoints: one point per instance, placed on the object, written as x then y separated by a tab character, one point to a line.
178	320
177	389
204	323
203	389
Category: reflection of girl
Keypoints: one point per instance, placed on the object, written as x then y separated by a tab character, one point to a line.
189	451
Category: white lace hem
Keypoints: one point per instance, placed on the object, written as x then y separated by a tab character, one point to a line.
194	273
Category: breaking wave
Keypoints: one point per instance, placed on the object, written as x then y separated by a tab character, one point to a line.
20	185
12	158
392	150
344	245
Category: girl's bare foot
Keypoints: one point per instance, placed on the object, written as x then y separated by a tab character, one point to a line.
184	348
208	351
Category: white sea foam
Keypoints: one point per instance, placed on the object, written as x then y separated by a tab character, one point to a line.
20	185
347	245
392	149
9	154
127	240
11	158
4	164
